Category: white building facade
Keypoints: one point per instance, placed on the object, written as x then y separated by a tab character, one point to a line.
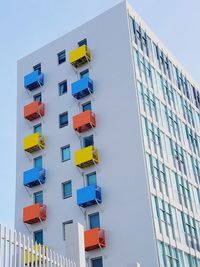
108	136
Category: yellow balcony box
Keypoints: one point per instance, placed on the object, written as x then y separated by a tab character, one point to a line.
34	142
37	253
86	157
80	56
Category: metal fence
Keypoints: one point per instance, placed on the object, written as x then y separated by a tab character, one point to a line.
17	250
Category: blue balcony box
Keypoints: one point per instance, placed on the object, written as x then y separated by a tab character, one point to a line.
82	87
35	176
89	196
33	80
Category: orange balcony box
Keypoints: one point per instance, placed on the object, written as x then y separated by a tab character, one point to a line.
34	213
34	110
84	121
94	239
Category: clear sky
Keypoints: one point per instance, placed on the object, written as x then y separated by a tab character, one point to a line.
26	25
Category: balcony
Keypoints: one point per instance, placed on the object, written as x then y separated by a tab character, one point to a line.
84	121
34	110
94	239
82	87
80	56
33	80
34	213
86	157
34	142
89	196
34	177
35	255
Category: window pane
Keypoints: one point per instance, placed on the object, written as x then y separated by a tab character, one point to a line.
37	67
91	178
61	57
94	220
97	262
38	197
87	106
82	42
88	141
84	73
38	162
62	87
38	128
37	97
63	119
65	153
67	189
38	237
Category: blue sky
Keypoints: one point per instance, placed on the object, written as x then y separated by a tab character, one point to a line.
27	25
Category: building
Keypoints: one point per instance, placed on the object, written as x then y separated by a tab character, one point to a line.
110	138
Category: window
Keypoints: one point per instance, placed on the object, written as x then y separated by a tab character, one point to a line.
65	225
63	119
67	189
82	42
38	197
37	67
65	153
87	106
37	97
38	237
61	57
37	128
94	220
84	73
62	87
38	162
97	262
91	178
88	141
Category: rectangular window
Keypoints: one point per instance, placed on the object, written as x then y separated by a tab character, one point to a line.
38	237
38	197
87	106
65	225
38	162
84	73
62	87
37	128
67	189
37	97
98	262
37	67
63	119
82	42
61	57
88	141
65	153
94	220
91	178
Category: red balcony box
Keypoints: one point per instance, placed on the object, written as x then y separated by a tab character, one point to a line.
94	239
34	213
34	110
84	121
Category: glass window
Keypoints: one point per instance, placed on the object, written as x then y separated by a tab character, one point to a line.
65	153
91	178
63	119
82	42
67	189
87	106
37	128
84	73
38	162
38	237
37	67
37	97
62	87
61	57
38	197
97	262
65	225
94	220
88	141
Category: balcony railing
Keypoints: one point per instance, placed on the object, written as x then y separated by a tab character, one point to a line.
86	157
94	239
34	80
34	110
82	87
80	56
34	213
34	142
34	177
84	121
88	196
